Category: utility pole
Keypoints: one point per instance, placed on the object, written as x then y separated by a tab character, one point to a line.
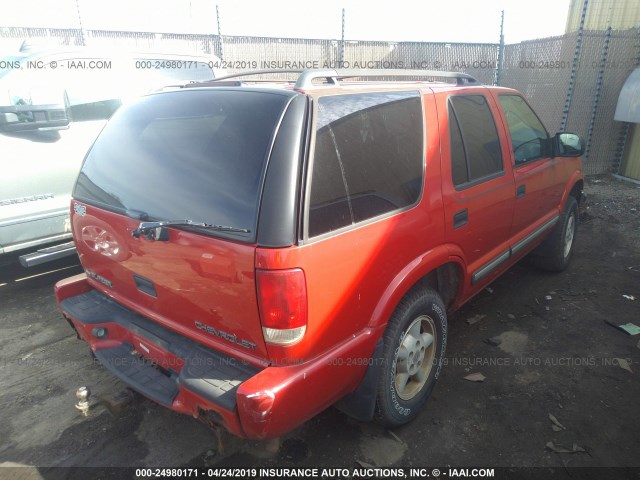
342	39
574	68
598	90
220	49
500	66
82	37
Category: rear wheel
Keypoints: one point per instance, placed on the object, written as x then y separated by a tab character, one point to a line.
556	251
414	345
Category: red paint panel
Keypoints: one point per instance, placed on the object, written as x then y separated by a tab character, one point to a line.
197	278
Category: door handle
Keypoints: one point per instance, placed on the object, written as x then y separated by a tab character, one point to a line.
520	191
460	218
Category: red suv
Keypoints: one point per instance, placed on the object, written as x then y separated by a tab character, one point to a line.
255	252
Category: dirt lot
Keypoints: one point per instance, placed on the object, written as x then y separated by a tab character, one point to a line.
557	356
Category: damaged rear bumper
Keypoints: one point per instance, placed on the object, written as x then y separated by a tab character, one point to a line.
177	372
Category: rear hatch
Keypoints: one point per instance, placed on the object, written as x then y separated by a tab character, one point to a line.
196	155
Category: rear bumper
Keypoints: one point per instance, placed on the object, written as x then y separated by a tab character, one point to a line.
175	371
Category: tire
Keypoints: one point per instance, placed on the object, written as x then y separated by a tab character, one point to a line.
414	346
555	253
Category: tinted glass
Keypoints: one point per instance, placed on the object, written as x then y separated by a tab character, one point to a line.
528	136
196	155
368	158
478	134
459	171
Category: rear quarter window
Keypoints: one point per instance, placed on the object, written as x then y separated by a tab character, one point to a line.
368	158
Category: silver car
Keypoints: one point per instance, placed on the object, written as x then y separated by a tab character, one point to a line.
53	104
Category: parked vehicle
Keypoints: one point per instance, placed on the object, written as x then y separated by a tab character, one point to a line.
53	104
254	254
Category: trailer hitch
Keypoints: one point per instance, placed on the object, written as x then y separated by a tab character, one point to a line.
115	404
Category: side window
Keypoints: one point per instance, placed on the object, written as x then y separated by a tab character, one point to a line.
529	138
475	146
459	171
368	158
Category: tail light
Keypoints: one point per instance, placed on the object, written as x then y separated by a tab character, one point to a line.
282	296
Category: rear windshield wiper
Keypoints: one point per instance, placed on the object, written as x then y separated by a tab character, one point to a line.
158	230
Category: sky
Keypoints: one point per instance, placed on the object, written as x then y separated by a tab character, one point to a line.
395	20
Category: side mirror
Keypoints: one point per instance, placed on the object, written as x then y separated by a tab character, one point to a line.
568	145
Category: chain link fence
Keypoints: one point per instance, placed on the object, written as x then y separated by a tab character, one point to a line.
572	81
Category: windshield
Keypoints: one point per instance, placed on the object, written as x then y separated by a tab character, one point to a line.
197	155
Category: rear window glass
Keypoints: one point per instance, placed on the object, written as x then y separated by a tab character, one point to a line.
368	158
196	155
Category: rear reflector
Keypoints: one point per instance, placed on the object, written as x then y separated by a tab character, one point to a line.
282	296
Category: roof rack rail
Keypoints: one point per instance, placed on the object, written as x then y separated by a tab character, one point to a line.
306	78
249	73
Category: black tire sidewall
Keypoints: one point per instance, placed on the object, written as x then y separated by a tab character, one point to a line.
391	410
